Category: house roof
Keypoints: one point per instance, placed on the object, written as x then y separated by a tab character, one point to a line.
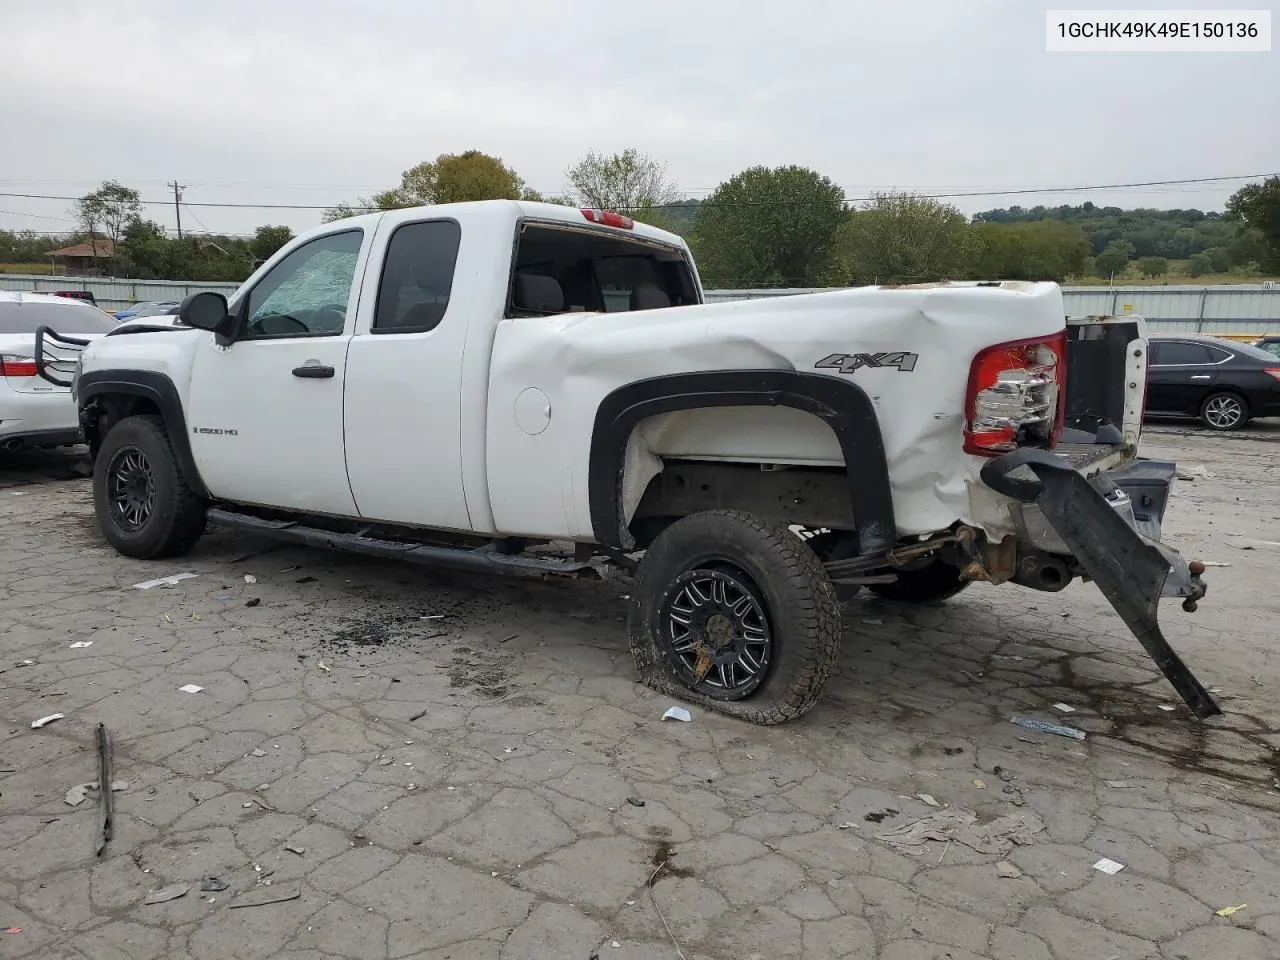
102	249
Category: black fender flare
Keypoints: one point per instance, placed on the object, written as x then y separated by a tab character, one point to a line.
160	390
841	404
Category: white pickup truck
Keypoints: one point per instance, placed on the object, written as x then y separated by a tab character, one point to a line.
463	385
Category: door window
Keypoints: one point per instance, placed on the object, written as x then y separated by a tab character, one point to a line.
306	293
417	277
1170	353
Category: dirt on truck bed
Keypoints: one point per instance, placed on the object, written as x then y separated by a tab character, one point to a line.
381	761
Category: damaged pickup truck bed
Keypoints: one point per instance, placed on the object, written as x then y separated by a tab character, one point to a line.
461	385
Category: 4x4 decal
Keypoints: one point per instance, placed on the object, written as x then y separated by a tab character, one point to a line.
849	362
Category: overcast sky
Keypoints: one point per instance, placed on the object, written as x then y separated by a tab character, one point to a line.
283	101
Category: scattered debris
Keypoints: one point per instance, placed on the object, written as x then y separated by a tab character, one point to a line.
1108	866
13	931
81	644
927	800
1034	743
1214	563
1229	911
26	663
321	665
635	801
432	616
250	578
1064	708
105	824
980	784
1007	871
263	804
419	715
171	892
37	724
506	639
257	752
213	885
75	796
296	850
253	601
164	581
848	826
305	580
267	895
874	623
677	713
997	837
1120	784
1044	726
190	688
1167	708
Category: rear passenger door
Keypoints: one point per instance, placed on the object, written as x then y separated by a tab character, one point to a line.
402	406
1180	373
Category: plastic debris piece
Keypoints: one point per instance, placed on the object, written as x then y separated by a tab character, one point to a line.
1108	866
1034	743
168	619
1167	708
927	800
164	581
635	801
37	724
213	885
1064	708
677	713
1119	784
250	578
75	796
432	616
171	892
874	623
269	894
997	837
1044	726
848	826
190	688
81	644
321	665
257	752
253	601
296	850
1229	911
1214	563
27	663
13	931
980	784
1007	871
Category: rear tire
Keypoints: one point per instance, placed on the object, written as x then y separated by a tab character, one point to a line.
1224	411
145	507
932	583
735	614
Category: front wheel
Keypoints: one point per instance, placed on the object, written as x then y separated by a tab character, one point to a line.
736	614
1224	411
145	507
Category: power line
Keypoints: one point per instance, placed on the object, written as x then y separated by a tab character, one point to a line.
931	196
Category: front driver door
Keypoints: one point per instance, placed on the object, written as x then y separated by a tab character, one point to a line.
266	413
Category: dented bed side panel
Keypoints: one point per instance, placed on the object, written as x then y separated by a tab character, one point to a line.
908	348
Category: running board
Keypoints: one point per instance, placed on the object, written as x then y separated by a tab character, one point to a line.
477	559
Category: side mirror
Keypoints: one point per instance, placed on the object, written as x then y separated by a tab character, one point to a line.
205	311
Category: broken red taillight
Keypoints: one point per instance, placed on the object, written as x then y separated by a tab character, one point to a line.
17	367
1015	395
1273	371
609	218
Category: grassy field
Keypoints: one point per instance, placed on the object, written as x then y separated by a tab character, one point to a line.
32	269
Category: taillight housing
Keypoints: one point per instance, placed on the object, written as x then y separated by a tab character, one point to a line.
1273	371
1016	396
17	367
609	218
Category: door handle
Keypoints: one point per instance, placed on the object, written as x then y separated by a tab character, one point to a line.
1200	376
313	371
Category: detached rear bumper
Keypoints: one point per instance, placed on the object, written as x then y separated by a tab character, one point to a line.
1110	525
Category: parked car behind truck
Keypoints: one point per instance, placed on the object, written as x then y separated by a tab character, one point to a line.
454	385
1222	383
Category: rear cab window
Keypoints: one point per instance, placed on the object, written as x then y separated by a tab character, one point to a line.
564	268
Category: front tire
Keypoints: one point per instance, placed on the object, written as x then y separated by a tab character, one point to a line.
933	582
1224	411
735	614
144	505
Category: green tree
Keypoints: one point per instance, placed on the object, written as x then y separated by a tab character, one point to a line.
770	227
903	238
108	210
267	240
1043	250
1114	258
1199	265
1219	258
1251	247
1257	205
628	181
1152	267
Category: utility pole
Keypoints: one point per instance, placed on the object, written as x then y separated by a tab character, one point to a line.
177	203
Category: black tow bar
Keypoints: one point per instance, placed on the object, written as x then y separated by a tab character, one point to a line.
1128	568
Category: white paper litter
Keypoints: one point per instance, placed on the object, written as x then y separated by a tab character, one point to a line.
927	799
250	578
1064	708
37	724
190	688
164	581
677	713
1166	708
79	644
1111	867
997	837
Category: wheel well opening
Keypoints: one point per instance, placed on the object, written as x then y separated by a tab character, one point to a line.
105	410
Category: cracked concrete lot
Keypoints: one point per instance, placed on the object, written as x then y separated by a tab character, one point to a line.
416	765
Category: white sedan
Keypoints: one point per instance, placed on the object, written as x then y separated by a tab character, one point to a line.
33	411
